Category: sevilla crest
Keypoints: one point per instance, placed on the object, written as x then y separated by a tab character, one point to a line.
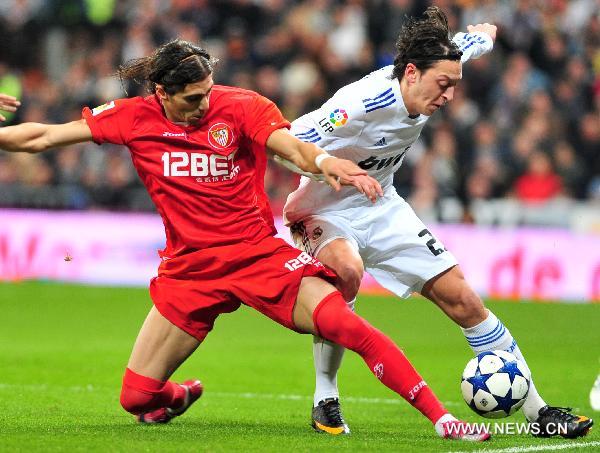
220	135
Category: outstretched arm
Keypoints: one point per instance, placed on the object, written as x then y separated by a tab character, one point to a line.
36	137
308	157
8	104
290	166
478	40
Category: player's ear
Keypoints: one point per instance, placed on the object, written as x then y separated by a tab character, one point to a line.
160	91
410	72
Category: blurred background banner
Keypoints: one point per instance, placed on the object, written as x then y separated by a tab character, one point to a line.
108	249
120	249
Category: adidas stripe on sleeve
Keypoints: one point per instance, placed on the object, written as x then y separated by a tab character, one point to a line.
473	45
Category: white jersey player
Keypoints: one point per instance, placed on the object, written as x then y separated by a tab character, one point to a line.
374	122
367	122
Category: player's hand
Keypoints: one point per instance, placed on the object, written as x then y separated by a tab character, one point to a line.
340	172
486	28
366	185
8	104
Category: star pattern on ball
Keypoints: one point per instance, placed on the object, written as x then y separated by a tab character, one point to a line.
479	382
488	384
512	369
505	403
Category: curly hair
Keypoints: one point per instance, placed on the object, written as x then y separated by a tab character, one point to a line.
424	41
173	65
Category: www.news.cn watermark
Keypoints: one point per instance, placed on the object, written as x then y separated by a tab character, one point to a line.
510	428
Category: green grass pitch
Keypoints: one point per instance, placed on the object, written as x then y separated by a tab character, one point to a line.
63	350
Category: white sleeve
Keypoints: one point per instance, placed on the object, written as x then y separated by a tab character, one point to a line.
473	45
336	124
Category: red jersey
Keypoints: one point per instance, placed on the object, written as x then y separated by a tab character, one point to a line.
207	180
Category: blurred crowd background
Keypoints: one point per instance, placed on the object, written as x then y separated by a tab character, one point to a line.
520	143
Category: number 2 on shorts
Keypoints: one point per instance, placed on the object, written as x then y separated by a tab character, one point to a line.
431	242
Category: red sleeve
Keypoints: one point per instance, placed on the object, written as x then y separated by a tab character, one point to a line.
111	122
261	119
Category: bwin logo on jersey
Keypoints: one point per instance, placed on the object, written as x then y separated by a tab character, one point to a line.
373	161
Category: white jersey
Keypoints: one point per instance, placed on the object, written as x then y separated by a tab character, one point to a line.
365	122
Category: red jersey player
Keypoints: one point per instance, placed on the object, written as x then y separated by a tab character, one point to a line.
200	150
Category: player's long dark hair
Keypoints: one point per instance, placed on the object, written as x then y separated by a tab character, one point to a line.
424	41
172	65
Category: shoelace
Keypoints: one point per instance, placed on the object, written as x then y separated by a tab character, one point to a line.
562	413
332	412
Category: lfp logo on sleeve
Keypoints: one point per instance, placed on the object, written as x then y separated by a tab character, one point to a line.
338	117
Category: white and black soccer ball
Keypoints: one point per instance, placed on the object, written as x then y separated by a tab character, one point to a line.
495	384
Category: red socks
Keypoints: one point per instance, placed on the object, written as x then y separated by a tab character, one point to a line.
335	322
141	394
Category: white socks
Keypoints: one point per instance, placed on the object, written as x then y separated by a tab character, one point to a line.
328	359
491	334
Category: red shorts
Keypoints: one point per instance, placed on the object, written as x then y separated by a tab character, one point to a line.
193	289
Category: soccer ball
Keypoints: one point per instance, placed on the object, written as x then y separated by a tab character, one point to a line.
495	384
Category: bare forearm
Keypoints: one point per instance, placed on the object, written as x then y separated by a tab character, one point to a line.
36	137
290	166
26	137
299	153
305	157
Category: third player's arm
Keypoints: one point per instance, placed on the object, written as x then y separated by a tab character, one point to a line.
8	104
37	137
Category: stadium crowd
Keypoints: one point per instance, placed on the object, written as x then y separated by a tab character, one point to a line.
523	129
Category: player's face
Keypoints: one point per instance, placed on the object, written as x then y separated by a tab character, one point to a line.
190	105
431	89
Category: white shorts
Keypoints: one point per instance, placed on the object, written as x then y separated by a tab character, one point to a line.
397	249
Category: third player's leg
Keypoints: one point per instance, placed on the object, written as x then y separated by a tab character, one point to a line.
341	256
344	259
328	238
